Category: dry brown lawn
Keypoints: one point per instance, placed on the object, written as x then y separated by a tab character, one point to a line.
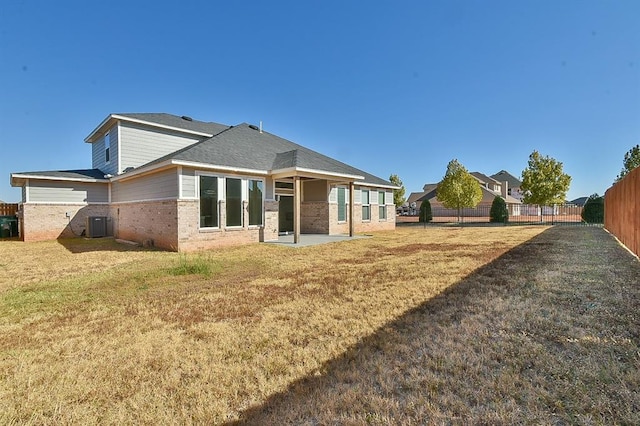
489	325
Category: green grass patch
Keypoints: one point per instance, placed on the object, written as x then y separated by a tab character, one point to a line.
195	265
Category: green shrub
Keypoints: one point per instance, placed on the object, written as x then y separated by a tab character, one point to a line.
593	210
499	212
425	212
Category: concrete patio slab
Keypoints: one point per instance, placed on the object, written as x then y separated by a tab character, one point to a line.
307	240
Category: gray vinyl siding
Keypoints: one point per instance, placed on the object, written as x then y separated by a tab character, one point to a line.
140	145
98	153
156	186
188	183
67	192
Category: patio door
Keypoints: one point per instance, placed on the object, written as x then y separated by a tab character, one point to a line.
285	214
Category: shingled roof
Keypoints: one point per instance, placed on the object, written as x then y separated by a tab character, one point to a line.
183	122
245	147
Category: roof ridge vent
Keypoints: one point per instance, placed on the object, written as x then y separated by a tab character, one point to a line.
254	127
186	118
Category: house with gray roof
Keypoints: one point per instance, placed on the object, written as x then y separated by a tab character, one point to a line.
491	188
181	184
511	183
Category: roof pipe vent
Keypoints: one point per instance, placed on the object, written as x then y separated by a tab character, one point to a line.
187	118
260	126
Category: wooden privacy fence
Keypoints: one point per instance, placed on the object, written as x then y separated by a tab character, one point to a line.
622	210
8	209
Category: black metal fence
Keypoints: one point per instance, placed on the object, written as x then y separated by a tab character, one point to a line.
518	213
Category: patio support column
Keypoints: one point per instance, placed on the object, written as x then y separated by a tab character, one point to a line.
351	207
296	209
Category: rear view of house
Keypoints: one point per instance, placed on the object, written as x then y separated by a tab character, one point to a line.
182	184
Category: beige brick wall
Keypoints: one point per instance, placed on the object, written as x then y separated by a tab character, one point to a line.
151	223
314	217
192	238
335	227
270	231
42	222
375	224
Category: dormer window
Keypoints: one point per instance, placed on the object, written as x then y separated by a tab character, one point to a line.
107	145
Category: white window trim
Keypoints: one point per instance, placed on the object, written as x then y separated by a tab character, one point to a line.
220	180
222	196
242	201
264	195
346	203
382	206
365	205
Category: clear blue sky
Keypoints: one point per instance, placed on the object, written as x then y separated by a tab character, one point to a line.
388	87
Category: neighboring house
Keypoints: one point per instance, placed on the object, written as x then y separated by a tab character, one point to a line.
513	184
181	184
491	188
579	202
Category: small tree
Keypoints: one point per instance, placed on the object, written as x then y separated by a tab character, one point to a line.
630	162
425	212
398	194
543	181
458	188
499	212
593	210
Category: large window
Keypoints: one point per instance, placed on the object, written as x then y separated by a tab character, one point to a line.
256	191
366	205
234	201
382	208
342	205
208	202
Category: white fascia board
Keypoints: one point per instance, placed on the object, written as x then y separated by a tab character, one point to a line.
178	163
66	179
205	166
89	138
303	172
377	185
161	126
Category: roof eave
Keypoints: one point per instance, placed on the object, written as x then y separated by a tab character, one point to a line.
314	173
98	130
152	168
19	177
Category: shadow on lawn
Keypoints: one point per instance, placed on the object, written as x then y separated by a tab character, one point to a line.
463	356
85	245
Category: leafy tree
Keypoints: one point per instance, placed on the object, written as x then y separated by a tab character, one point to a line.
499	212
458	188
593	210
398	194
630	162
425	212
543	181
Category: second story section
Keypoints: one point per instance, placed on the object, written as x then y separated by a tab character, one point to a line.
126	141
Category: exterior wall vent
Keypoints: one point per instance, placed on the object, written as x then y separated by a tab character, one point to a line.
98	226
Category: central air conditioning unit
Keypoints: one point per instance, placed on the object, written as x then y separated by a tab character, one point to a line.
96	226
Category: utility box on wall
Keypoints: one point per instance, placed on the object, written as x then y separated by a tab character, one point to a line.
98	226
